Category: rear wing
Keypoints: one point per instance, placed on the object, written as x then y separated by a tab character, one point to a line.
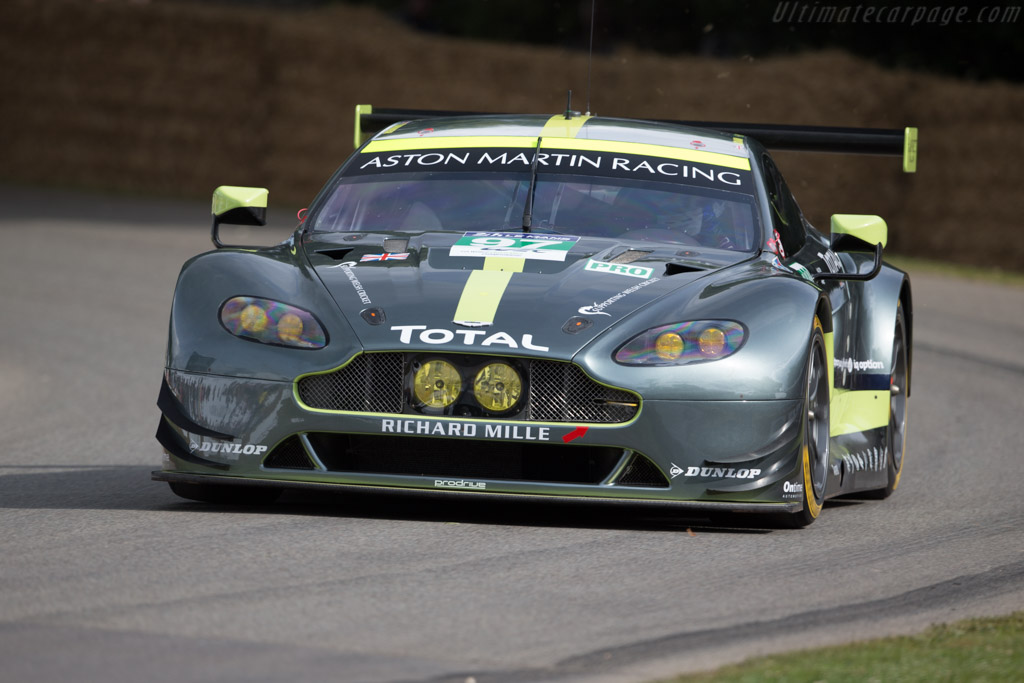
887	141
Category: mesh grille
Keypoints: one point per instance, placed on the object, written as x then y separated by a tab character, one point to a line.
371	383
290	455
454	458
561	392
642	472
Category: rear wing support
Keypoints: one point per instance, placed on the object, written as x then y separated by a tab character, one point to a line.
887	141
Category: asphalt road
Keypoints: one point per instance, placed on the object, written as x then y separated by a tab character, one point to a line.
107	576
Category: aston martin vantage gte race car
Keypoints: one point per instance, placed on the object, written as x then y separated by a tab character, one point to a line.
569	306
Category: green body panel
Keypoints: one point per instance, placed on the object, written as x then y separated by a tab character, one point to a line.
228	197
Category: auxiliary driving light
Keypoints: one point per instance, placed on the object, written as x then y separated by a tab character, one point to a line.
437	384
497	387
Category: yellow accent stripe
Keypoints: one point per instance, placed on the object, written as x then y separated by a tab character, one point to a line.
910	150
560	127
481	295
830	356
650	150
514	265
361	109
813	506
467	141
857	411
576	144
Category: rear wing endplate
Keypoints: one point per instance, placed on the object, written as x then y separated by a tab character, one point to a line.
887	141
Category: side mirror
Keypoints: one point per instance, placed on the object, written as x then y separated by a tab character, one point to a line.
237	206
852	232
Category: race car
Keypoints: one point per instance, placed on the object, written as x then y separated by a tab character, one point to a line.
568	307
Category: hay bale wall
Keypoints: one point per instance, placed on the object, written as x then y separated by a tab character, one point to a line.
175	99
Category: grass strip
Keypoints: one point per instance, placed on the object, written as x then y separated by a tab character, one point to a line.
977	650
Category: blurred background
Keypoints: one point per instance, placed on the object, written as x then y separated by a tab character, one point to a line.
170	98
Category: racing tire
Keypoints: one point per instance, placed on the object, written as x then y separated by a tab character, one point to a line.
814	449
896	434
232	495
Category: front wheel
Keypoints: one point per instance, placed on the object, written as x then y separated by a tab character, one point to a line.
815	447
234	495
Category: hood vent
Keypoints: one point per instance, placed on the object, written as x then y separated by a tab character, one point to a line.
673	268
396	245
336	254
629	256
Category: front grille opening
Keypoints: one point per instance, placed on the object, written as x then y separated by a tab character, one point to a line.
289	455
562	392
640	471
429	457
371	383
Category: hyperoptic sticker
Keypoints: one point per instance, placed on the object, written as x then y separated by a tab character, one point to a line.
598	308
514	245
641	272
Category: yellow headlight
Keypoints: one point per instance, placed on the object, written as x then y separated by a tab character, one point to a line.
253	318
711	342
289	327
668	345
498	387
437	384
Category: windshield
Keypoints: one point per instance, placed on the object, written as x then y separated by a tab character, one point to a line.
585	206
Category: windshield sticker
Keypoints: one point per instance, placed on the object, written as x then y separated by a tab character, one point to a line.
514	245
585	162
641	272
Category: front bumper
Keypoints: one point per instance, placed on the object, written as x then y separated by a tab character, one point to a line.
704	454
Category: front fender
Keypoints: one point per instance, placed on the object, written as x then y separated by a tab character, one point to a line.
777	310
198	342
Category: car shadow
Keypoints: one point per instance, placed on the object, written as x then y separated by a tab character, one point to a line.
129	487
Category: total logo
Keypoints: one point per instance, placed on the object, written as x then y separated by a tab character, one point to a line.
468	337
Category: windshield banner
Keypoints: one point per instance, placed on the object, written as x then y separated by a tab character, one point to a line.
595	163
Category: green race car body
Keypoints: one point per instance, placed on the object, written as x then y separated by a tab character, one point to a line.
571	307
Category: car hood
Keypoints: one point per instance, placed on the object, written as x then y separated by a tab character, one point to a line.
420	291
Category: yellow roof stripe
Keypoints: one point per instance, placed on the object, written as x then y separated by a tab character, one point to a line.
466	141
560	127
576	144
650	150
485	288
481	295
514	265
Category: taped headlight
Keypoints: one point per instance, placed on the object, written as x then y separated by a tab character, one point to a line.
682	343
271	322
